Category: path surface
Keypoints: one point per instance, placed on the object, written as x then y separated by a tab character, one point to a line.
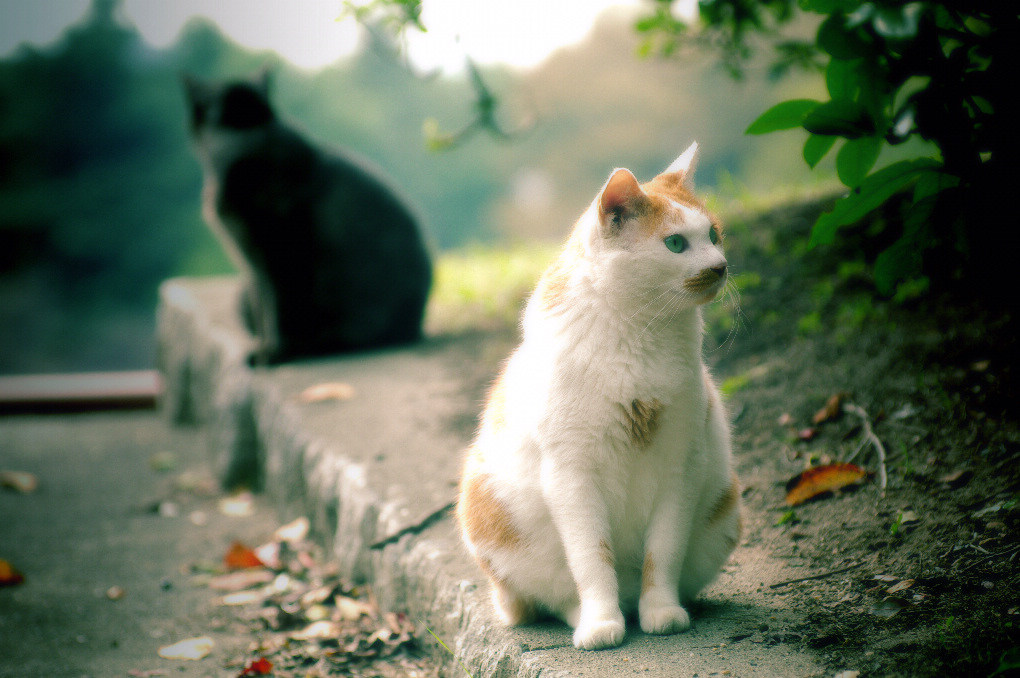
386	455
94	524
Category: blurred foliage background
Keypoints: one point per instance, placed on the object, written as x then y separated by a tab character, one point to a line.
99	192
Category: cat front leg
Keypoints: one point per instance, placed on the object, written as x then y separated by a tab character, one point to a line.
262	304
579	514
659	607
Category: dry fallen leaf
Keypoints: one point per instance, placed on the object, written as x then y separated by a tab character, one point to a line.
319	630
240	557
351	609
269	554
958	478
243	579
294	531
831	410
19	481
9	576
820	479
258	667
806	434
241	598
336	390
190	648
240	505
888	607
902	586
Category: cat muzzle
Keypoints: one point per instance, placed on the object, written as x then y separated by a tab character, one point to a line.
707	280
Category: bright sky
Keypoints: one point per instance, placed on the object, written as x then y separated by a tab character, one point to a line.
305	32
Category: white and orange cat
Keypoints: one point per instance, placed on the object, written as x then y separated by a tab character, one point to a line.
600	482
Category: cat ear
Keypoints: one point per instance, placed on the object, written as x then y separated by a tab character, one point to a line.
684	166
618	198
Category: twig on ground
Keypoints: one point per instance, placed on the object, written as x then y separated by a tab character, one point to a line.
1005	552
869	437
416	528
821	575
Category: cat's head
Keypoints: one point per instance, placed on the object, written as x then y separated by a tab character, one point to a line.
657	236
221	111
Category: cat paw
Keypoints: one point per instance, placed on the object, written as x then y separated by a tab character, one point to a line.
598	634
665	620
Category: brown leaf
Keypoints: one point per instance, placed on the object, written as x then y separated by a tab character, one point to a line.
318	630
832	409
820	479
19	481
902	586
9	576
336	390
258	667
238	581
240	557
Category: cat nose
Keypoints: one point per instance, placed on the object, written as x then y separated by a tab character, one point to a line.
719	270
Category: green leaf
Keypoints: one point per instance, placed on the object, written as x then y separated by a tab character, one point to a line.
932	182
841	78
839	41
841	117
903	259
872	192
829	6
816	147
899	261
785	115
856	159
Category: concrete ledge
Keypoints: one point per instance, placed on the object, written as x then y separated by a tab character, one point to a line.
373	473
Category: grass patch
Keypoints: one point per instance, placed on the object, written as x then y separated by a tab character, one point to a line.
485	287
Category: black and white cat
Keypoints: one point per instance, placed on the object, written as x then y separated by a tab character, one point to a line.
333	259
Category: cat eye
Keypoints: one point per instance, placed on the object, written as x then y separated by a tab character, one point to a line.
713	235
675	243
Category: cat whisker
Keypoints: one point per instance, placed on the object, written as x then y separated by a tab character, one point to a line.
669	301
731	294
666	289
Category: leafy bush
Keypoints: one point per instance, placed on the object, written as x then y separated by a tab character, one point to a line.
934	70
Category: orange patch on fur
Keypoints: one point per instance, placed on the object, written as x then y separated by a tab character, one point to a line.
726	502
647	573
665	188
518	610
552	287
641	421
483	517
670	186
606	553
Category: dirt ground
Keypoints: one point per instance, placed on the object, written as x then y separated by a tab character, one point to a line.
918	579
